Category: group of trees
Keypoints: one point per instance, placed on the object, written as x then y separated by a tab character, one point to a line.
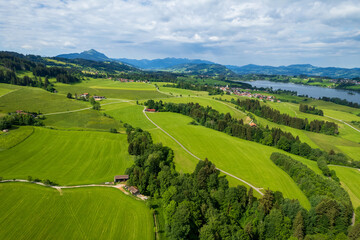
310	109
211	118
331	205
254	106
201	205
20	119
341	102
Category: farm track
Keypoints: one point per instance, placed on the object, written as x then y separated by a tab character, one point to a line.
249	184
342	121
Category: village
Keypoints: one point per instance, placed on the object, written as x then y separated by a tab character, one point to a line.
247	93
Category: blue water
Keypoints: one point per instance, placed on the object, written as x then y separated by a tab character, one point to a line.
311	91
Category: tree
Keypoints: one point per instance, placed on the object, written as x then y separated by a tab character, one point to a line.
69	95
354	233
30	178
267	201
298	226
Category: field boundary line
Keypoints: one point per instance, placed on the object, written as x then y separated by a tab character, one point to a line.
250	185
33	129
9	92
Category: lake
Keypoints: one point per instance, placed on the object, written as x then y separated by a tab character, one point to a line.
311	91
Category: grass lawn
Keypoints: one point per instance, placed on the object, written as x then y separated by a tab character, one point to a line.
67	157
15	136
247	160
36	99
30	211
87	119
350	181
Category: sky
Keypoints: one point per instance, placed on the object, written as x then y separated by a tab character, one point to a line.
233	32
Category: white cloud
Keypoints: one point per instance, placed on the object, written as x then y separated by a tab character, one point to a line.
228	31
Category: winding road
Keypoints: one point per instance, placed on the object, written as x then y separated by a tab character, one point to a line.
249	184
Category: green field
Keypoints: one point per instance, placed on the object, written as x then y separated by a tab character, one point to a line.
30	211
350	181
14	136
67	157
247	160
36	99
111	89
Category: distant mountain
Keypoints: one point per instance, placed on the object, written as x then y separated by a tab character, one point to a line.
161	63
297	69
202	69
88	55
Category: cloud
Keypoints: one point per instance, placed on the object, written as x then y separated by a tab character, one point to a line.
228	31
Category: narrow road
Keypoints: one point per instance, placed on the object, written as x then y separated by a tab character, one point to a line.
343	122
249	184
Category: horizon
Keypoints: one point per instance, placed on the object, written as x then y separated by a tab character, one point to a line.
265	33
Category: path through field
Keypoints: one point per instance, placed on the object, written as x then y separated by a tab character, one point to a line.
249	184
343	122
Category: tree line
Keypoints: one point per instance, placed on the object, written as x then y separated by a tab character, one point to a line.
20	118
310	109
211	118
341	102
331	204
202	205
254	106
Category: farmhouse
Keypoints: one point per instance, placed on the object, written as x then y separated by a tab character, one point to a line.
252	124
5	130
150	110
133	190
121	178
85	95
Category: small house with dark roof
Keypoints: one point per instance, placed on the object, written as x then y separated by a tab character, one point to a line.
120	178
133	190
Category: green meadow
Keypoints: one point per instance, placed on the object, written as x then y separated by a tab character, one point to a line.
29	211
67	157
350	181
247	160
14	136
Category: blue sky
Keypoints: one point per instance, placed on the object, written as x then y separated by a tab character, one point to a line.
272	32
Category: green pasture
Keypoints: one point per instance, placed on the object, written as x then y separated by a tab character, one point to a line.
67	157
36	99
87	119
247	160
111	89
29	211
350	181
15	136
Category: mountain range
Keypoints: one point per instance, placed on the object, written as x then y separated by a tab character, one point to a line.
198	66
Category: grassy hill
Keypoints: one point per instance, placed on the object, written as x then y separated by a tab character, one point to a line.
30	211
67	157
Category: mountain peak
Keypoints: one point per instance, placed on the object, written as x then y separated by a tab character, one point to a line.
91	54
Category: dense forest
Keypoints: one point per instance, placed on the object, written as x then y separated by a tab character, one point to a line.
254	106
211	118
202	205
310	109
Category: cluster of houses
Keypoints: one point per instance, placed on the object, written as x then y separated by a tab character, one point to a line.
122	178
247	93
351	81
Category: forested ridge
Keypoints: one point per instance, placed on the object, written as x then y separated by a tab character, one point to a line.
13	63
318	126
211	118
201	205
